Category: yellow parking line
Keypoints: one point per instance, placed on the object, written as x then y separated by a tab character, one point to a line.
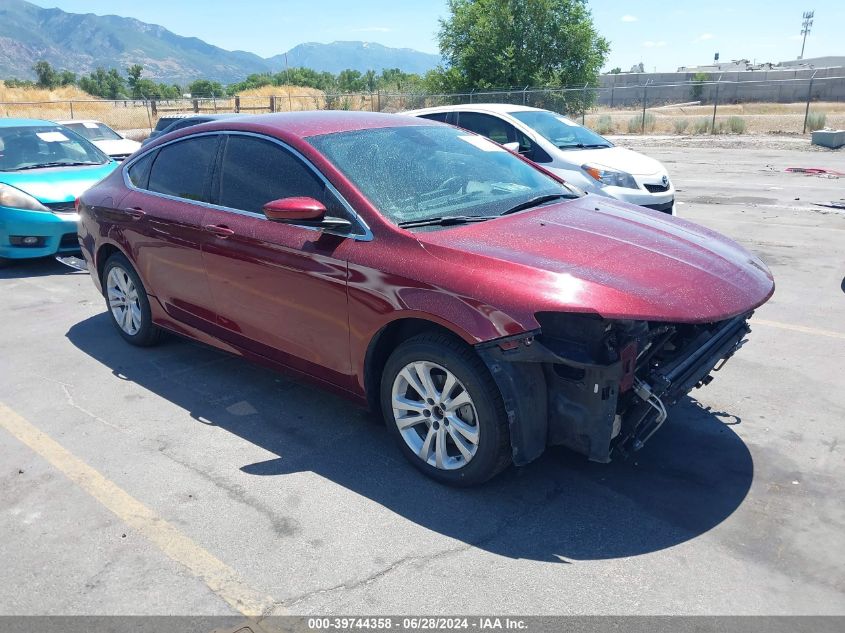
798	328
219	577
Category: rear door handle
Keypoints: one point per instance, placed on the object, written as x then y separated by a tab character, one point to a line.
220	230
136	213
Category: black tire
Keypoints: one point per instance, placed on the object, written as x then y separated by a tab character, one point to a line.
148	334
493	453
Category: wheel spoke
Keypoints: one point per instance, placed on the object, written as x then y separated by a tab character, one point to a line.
458	401
405	404
424	372
467	431
440	454
407	421
136	317
448	386
413	380
460	442
127	319
425	451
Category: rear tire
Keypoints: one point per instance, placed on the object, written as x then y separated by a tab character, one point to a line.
444	410
127	302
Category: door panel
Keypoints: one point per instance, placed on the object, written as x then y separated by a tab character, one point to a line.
280	291
166	242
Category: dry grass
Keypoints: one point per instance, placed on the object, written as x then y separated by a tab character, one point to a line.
759	118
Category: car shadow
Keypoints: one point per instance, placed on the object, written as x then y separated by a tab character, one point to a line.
690	477
40	267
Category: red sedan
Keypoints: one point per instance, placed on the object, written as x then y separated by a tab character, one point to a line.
484	308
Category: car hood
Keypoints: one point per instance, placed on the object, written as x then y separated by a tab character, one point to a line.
117	146
57	184
617	158
604	256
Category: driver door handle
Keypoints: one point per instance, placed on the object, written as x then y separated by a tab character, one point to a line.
219	230
136	213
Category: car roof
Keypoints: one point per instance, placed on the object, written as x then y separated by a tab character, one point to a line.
318	122
80	121
24	122
501	108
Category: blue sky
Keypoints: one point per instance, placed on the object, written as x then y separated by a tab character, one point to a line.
661	34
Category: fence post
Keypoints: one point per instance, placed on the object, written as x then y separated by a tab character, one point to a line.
809	96
237	103
470	94
71	109
584	105
149	115
524	95
272	104
196	105
715	105
645	101
153	108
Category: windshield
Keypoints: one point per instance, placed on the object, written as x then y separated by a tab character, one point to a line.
417	173
32	147
94	131
564	133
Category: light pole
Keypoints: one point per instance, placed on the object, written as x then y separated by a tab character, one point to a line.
806	25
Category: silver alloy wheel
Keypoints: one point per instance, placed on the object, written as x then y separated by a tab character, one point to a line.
123	300
435	415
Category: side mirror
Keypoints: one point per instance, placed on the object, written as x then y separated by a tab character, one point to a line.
295	210
512	147
303	210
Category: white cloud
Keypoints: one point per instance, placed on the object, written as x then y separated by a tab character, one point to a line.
704	37
651	44
629	18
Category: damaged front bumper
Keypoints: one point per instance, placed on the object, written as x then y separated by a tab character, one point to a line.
602	387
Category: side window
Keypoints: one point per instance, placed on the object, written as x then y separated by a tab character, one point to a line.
181	169
486	125
139	172
256	171
435	116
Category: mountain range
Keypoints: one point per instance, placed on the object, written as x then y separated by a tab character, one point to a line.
81	42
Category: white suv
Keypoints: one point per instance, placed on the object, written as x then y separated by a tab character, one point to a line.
576	154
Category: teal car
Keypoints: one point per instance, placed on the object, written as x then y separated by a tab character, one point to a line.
44	168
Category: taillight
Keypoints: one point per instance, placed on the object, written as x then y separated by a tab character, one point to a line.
76	205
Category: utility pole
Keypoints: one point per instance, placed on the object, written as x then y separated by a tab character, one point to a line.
806	25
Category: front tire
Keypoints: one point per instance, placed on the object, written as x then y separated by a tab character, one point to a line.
444	410
127	302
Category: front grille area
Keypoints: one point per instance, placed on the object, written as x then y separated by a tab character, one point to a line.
663	208
62	207
661	188
69	240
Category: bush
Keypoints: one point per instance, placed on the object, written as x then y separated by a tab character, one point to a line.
635	123
605	124
736	124
702	126
815	121
680	126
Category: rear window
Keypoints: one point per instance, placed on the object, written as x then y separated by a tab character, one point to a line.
181	169
94	131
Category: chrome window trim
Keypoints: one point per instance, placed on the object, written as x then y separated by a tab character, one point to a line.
366	236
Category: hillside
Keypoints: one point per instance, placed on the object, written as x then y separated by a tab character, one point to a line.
81	42
362	56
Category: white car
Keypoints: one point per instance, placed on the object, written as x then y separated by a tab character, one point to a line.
576	154
105	138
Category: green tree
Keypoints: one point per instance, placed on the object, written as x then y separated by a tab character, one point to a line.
615	71
104	83
509	43
206	88
133	79
351	81
47	76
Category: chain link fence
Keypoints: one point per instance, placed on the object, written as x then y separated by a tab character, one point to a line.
690	107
